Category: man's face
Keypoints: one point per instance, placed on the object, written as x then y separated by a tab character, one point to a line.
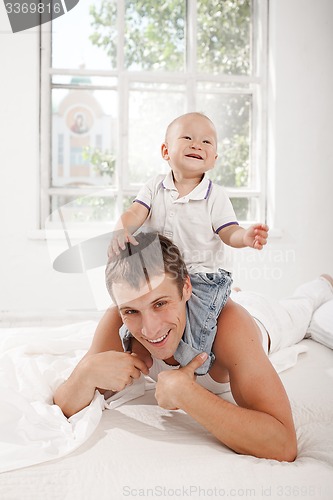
156	318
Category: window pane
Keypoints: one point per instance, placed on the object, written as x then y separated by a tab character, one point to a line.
224	36
231	113
127	202
151	109
91	112
155	35
84	137
85	36
76	209
246	208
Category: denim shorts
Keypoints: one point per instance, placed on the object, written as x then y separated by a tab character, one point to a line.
209	295
210	292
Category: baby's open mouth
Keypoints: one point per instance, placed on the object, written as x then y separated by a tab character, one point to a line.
198	157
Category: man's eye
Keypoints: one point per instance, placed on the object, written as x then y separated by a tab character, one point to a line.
159	304
130	311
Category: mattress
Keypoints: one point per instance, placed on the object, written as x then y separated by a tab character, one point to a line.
137	449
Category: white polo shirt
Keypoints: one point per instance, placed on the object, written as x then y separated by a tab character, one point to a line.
192	221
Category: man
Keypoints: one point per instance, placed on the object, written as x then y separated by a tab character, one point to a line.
151	287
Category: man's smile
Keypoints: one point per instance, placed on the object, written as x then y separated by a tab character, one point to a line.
159	340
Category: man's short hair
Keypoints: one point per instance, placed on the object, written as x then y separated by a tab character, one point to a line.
155	255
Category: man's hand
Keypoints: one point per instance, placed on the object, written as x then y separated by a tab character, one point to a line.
172	383
256	236
112	370
142	353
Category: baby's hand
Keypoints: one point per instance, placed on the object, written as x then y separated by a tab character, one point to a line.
119	242
256	236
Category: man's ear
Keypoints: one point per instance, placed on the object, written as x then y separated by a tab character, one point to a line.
187	288
164	151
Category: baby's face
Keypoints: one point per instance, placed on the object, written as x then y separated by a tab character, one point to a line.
191	145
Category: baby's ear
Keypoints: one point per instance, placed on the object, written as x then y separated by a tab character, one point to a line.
164	151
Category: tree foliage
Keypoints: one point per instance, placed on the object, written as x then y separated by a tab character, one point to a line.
155	34
223	43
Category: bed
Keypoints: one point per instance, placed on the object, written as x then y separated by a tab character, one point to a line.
129	447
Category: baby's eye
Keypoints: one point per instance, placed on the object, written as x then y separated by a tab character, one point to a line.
206	141
187	137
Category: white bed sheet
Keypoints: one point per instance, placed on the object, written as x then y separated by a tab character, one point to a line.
141	450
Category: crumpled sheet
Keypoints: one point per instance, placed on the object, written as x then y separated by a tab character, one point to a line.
286	358
34	361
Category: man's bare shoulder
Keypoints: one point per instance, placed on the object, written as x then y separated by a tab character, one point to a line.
106	337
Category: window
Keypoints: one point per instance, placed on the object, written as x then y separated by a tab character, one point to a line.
116	72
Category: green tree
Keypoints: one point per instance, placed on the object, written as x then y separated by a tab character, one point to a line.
224	31
155	34
103	162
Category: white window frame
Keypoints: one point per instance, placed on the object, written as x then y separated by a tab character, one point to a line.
256	86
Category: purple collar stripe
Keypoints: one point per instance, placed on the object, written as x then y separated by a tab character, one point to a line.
208	189
226	225
142	203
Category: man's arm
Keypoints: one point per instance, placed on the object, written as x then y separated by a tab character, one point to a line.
105	366
262	424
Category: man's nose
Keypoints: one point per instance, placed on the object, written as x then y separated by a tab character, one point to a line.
150	326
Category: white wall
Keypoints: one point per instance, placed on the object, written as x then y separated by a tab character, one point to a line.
300	157
300	179
27	281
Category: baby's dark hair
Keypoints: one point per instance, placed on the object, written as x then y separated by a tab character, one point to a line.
136	265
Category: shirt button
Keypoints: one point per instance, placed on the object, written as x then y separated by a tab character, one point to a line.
171	214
